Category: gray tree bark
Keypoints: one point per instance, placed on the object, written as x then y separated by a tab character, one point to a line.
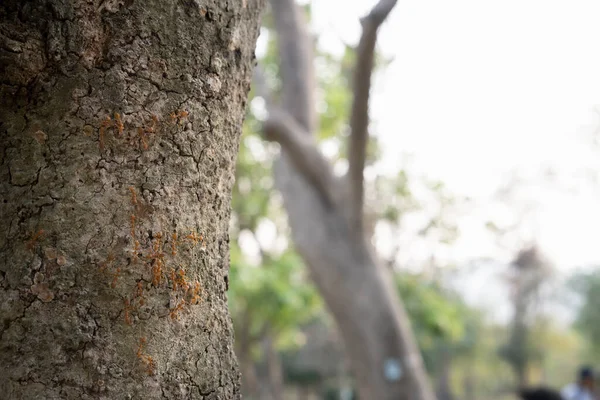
274	368
326	215
119	127
444	371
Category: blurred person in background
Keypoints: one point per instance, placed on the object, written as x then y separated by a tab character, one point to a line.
583	389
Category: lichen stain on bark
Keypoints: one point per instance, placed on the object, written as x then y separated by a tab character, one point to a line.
119	127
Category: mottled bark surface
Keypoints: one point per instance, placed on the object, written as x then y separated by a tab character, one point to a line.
119	127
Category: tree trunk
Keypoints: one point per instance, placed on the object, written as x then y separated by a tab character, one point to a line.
444	368
519	358
249	378
250	387
326	215
469	379
358	291
119	124
303	393
274	368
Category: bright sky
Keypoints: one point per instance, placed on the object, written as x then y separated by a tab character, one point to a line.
479	89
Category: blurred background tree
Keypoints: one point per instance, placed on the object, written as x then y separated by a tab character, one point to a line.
285	340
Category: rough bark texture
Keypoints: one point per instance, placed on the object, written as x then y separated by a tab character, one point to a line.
326	218
119	127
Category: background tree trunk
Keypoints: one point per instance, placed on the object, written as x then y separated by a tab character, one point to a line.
274	368
444	370
326	215
358	291
119	127
250	387
469	381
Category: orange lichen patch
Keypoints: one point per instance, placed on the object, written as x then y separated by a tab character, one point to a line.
142	137
116	276
109	260
156	251
42	291
150	365
127	311
174	314
182	116
157	259
148	361
152	127
156	246
40	136
195	293
182	280
31	243
179	280
195	238
132	223
135	251
157	272
172	277
133	195
174	244
155	121
141	347
139	134
139	293
119	124
106	122
178	116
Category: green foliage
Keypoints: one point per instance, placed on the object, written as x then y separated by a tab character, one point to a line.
275	296
439	318
587	287
436	316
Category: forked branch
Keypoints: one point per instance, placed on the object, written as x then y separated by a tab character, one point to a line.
282	128
293	125
359	117
302	150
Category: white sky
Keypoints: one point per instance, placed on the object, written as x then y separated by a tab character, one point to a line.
481	88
